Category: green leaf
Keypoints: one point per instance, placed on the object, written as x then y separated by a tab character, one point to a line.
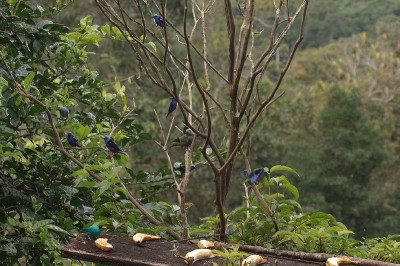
79	130
115	180
90	39
200	232
80	172
333	229
57	229
95	167
57	28
276	196
345	232
42	23
74	36
287	236
292	189
86	184
145	136
283	168
118	34
152	45
13	2
322	215
28	81
103	186
114	171
3	84
123	190
240	210
86	21
37	207
105	29
220	253
42	223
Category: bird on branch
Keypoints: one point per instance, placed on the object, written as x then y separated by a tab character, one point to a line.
182	169
64	112
184	141
159	21
172	106
255	177
111	146
72	140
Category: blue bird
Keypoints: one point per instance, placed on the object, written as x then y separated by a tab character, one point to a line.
172	106
94	230
159	21
183	168
72	140
64	112
255	177
111	146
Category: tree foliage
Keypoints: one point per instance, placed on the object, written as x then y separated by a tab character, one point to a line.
45	190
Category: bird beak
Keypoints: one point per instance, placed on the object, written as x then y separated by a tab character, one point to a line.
103	227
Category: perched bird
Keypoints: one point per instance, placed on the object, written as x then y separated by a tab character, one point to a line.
159	21
64	112
166	217
184	140
72	140
183	168
255	177
94	230
111	146
172	106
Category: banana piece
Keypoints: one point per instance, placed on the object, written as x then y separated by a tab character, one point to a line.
199	254
337	261
205	244
253	260
102	243
139	238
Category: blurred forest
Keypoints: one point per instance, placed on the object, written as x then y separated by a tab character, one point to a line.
337	125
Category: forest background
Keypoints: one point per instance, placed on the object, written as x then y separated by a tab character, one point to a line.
337	124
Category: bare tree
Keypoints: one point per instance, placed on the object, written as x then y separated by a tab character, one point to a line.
241	80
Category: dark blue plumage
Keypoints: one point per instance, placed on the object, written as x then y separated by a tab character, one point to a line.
172	106
159	21
255	177
111	145
94	230
72	140
183	168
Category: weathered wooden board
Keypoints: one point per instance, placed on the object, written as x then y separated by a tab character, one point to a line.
125	252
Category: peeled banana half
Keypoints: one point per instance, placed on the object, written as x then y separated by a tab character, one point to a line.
102	243
139	238
199	254
205	244
253	260
337	261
